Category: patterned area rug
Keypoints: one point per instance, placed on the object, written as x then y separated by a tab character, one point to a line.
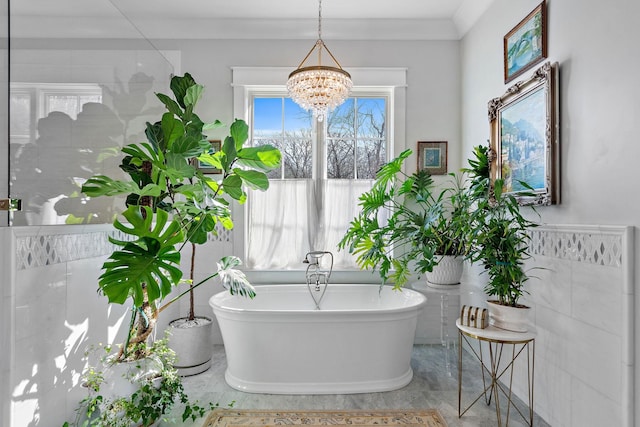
250	418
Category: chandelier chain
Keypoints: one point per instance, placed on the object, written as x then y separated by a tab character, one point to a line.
320	19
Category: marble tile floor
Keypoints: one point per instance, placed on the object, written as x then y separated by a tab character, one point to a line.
434	385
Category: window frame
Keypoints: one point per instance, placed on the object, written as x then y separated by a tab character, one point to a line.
271	80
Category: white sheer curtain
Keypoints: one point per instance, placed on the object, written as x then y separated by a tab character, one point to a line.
294	217
339	207
278	235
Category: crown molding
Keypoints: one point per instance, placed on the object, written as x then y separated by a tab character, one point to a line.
158	28
243	29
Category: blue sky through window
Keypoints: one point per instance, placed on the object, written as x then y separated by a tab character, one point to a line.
268	113
268	116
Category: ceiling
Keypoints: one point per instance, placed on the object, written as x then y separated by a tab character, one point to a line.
279	19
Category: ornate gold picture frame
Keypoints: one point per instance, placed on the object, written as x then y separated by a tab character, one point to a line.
524	149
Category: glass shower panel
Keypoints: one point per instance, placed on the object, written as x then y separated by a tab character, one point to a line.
81	86
4	101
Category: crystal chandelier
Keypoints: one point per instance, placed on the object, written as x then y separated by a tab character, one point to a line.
319	88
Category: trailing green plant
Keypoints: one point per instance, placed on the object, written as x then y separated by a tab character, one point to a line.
404	219
498	233
171	203
156	395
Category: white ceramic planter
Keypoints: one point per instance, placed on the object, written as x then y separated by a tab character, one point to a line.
446	273
193	343
120	379
515	319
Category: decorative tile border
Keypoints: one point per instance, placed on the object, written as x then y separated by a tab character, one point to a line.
41	246
601	245
41	250
224	235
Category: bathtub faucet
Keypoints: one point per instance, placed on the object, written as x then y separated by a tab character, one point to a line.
315	275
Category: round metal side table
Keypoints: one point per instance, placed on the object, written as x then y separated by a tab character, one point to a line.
496	366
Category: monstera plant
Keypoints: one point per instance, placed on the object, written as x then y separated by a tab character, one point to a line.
171	204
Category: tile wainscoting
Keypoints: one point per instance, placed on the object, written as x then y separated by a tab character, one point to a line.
51	311
582	300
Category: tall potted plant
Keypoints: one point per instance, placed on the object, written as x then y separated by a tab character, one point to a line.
406	224
498	235
169	205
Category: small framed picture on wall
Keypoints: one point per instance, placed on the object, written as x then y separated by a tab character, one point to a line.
216	145
432	156
526	44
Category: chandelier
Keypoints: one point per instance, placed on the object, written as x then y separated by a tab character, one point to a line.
319	88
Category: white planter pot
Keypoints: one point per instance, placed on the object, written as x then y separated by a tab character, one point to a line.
120	378
193	343
515	319
447	272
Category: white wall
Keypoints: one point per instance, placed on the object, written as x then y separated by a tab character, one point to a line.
433	92
596	45
51	314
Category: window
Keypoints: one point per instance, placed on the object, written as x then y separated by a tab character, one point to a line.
31	102
325	167
282	123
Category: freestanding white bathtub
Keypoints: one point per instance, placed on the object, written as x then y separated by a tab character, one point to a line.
359	341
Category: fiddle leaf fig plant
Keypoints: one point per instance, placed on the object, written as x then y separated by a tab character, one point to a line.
171	203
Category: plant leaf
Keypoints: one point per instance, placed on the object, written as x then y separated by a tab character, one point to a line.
263	157
234	280
232	185
101	185
193	95
213	125
171	105
179	86
148	263
253	179
172	129
239	131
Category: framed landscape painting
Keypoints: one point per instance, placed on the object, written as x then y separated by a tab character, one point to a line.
432	156
526	44
525	138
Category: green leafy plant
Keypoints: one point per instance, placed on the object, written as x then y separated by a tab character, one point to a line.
421	222
498	233
155	396
170	203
